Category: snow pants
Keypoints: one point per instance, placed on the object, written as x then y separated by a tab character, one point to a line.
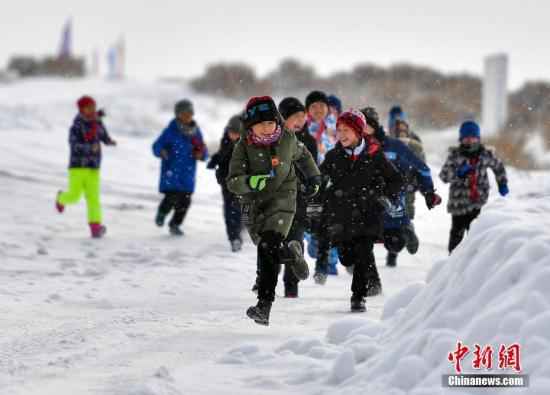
359	254
460	224
232	215
177	201
84	181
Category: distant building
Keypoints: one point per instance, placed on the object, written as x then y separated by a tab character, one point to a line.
64	64
495	93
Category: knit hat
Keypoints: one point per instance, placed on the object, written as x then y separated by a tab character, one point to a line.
316	96
290	106
334	101
371	117
469	129
260	109
354	119
184	105
85	101
234	124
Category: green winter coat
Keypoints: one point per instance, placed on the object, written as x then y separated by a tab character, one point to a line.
273	208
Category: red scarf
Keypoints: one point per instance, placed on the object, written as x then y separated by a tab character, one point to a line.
91	134
266	141
472	178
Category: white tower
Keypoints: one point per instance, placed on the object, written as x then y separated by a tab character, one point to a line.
495	93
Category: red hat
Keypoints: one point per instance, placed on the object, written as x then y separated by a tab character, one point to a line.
85	101
354	119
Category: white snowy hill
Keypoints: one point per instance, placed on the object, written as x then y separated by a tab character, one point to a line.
141	313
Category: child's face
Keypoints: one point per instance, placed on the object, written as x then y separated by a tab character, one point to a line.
470	140
334	111
233	135
296	121
89	112
318	111
264	129
402	131
185	117
347	136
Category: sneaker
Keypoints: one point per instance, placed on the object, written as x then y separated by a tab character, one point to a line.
176	231
58	206
358	304
412	243
260	313
97	231
236	245
320	278
298	264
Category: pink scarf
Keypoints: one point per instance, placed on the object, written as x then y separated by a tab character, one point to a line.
265	141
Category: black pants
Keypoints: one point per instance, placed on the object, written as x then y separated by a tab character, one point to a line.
359	254
269	250
461	223
179	202
296	233
232	214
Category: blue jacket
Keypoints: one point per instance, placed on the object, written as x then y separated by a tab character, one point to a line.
406	162
85	138
178	172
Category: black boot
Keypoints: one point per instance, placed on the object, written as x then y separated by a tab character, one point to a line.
260	312
358	304
294	256
391	259
291	290
412	242
321	270
374	287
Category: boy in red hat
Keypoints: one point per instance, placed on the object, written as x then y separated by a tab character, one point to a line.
85	138
359	183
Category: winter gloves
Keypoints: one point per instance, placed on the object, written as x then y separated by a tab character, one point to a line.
503	189
464	170
432	199
258	183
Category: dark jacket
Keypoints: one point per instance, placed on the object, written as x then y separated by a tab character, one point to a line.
416	175
85	138
221	159
178	172
460	194
352	188
272	209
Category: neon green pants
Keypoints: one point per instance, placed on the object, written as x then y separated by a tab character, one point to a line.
87	181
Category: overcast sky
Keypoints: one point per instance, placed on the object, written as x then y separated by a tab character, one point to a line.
178	38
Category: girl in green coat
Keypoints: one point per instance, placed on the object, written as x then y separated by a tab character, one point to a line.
263	172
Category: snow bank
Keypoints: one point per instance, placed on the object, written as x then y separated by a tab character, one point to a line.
493	290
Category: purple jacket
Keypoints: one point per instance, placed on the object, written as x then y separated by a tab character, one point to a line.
83	137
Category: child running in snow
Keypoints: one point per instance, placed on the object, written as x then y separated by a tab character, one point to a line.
179	147
358	183
321	124
262	171
466	170
220	161
85	138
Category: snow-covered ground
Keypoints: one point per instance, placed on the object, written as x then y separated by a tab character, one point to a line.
142	313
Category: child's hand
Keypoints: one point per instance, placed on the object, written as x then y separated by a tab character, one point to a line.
95	148
258	183
432	200
164	154
503	189
113	143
